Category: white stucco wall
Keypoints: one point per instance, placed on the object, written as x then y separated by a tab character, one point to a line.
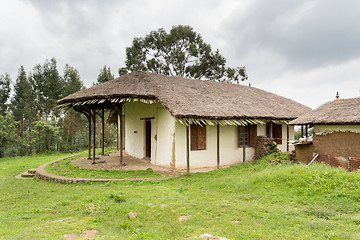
230	153
165	135
162	131
168	139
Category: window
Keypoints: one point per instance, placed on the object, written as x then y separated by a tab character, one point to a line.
248	135
198	137
243	136
276	131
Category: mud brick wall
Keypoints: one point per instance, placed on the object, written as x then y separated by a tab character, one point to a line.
344	144
304	152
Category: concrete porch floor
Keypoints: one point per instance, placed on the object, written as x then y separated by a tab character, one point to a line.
112	162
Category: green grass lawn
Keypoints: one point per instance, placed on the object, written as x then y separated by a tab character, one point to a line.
250	201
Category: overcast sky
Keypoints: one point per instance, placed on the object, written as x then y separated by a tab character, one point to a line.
303	50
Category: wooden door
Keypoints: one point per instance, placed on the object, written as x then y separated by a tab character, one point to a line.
148	139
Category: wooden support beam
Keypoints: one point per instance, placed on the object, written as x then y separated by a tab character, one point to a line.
121	137
244	149
302	131
94	133
103	131
89	120
218	146
306	131
187	150
118	132
287	138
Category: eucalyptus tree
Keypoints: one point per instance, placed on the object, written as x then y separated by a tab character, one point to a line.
4	92
180	52
105	75
48	85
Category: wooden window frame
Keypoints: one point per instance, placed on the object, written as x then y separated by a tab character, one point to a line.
251	135
241	136
276	132
197	137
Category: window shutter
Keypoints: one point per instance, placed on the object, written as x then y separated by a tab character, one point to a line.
253	135
202	138
268	129
198	137
194	137
277	133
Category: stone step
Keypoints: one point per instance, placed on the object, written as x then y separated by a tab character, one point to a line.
27	175
33	171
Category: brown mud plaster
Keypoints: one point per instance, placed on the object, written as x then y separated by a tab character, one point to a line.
173	160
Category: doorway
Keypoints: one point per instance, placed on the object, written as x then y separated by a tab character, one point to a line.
148	139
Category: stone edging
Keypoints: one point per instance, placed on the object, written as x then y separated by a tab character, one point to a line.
41	173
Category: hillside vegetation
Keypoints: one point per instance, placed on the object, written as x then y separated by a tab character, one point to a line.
269	199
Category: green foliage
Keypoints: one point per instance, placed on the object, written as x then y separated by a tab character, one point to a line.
72	82
8	136
104	75
33	103
48	86
46	135
80	142
4	92
181	52
23	103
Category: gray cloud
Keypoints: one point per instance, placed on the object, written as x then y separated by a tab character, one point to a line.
306	33
288	47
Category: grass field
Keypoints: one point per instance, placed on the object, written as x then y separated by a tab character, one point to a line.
250	201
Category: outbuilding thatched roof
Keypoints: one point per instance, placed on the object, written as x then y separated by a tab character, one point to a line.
337	112
190	98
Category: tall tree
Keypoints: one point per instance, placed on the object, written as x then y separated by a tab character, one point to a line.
4	92
8	137
48	85
23	102
105	75
181	52
72	122
72	81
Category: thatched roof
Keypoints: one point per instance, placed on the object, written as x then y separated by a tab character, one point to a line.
190	98
337	112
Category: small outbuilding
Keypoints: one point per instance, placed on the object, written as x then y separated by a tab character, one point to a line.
336	137
180	123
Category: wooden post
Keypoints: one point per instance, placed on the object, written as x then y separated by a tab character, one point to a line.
218	146
187	150
306	131
103	132
244	154
121	134
302	131
287	138
271	130
89	119
118	132
94	133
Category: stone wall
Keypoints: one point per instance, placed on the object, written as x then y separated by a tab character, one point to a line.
264	146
